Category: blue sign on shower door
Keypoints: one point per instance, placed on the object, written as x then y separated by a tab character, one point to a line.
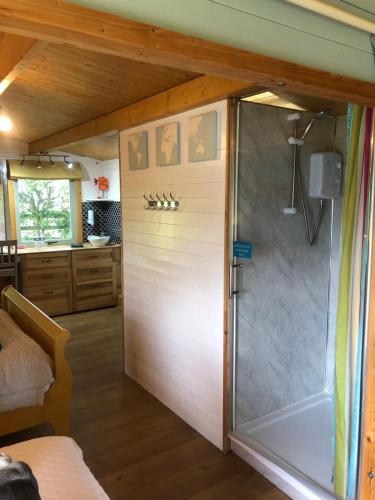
242	249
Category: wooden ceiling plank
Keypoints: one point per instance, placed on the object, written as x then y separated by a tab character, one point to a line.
197	92
85	28
64	86
16	53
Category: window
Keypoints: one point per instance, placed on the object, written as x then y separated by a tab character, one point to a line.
45	209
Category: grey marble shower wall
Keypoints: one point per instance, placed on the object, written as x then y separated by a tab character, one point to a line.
286	306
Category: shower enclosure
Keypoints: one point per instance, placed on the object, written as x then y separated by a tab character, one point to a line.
284	300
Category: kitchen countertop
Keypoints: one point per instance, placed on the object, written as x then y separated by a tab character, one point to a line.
61	248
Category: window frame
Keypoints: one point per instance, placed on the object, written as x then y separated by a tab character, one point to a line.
74	212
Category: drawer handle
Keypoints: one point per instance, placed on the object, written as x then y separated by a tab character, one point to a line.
94	271
48	293
46	260
47	276
93	256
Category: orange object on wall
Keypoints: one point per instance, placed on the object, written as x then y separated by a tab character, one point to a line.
102	183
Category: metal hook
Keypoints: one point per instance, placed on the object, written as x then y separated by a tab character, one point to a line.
146	207
174	203
150	195
159	203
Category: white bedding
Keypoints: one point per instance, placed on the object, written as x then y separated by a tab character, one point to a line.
59	468
25	369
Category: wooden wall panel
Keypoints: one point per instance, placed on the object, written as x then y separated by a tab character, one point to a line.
173	274
367	473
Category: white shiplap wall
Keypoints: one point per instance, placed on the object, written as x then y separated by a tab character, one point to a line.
174	279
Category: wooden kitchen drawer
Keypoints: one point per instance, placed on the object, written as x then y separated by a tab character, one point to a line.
94	295
53	300
38	277
84	258
93	265
46	260
92	272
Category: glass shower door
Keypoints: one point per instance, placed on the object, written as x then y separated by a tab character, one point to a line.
280	296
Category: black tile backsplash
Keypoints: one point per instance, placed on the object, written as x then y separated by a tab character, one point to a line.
107	219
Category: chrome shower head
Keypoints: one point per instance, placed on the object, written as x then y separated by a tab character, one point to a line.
323	113
318	116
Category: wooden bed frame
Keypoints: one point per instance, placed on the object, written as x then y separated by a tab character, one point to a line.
52	338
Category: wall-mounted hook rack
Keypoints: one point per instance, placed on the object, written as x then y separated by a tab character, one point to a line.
161	201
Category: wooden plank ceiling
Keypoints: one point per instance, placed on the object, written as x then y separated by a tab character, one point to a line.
62	86
83	73
61	22
52	88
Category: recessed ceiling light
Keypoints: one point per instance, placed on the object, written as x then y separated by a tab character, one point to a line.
272	99
260	96
6	124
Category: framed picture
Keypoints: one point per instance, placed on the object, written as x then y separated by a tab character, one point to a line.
138	151
168	144
202	137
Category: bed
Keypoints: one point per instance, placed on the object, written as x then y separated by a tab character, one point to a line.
53	407
58	467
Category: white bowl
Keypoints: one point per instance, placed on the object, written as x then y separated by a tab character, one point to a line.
98	241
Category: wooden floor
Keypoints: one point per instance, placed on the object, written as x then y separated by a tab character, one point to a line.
135	446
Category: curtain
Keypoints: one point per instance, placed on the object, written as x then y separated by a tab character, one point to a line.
29	170
350	321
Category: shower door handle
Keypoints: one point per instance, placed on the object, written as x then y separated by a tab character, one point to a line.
233	278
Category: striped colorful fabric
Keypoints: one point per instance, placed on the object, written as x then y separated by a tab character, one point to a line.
358	335
350	319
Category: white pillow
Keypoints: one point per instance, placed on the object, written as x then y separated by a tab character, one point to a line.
23	363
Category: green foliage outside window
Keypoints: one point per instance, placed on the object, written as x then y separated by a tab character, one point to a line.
44	208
